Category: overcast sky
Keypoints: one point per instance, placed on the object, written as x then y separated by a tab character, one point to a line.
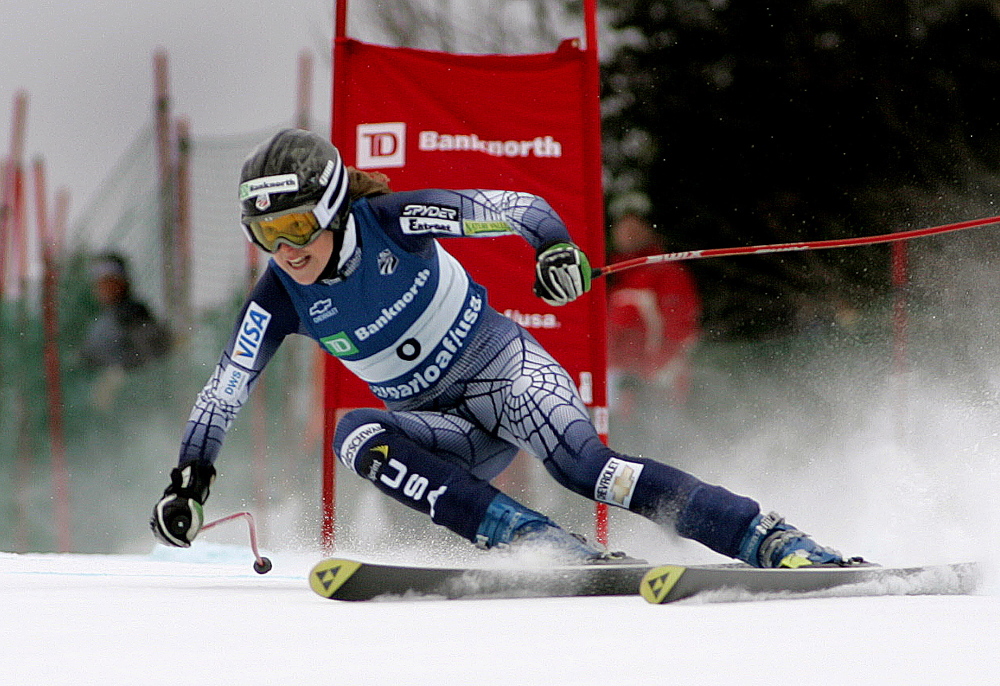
87	69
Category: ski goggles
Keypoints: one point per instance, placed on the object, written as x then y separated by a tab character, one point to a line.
297	227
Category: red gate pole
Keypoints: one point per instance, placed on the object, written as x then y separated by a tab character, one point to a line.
60	473
183	236
167	198
11	228
337	135
10	177
594	199
6	216
25	452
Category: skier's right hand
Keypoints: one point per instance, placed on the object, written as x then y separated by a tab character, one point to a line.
178	516
562	273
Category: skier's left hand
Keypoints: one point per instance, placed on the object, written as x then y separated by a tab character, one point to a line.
178	516
562	274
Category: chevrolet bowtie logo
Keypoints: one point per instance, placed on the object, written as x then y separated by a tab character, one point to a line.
623	484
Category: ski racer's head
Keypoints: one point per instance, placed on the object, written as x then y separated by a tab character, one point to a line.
293	197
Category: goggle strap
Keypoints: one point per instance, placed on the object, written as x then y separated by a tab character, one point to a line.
249	234
350	243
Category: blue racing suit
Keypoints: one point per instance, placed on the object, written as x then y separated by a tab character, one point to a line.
464	387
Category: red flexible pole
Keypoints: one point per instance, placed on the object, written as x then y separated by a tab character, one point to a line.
263	564
791	247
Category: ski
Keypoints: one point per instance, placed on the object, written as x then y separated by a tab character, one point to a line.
353	580
670	583
343	579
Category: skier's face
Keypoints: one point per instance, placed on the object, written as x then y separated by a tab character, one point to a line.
307	263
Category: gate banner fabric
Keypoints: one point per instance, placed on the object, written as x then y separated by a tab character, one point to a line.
509	122
503	122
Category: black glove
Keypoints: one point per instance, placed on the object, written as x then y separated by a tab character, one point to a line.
562	274
178	516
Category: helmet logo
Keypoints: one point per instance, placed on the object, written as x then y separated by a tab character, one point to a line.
327	172
262	188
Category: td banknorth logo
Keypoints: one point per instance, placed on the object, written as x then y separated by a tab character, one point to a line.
382	146
339	345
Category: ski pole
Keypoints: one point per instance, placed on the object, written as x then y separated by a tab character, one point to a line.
789	247
263	564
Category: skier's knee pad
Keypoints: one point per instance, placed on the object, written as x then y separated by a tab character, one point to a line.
413	475
354	430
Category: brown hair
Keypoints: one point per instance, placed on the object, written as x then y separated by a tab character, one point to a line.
362	184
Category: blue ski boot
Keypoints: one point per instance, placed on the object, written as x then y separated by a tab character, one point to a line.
770	542
508	524
568	548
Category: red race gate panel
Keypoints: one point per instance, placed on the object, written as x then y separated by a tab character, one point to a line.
503	122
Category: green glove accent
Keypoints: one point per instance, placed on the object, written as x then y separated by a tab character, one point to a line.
562	274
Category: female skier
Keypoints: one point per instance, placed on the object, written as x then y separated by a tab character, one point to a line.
360	270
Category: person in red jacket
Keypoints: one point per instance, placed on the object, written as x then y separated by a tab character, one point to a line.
654	312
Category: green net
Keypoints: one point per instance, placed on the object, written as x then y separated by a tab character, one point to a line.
122	429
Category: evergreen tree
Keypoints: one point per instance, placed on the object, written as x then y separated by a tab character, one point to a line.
791	120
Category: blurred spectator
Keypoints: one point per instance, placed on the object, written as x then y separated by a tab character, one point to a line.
124	336
654	311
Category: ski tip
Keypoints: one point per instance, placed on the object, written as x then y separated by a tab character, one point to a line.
327	576
658	582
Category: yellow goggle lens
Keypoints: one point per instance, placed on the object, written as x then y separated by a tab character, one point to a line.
295	228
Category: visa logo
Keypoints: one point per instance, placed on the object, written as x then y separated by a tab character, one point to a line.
250	334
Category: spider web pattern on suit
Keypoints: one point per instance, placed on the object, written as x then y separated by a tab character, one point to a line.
521	398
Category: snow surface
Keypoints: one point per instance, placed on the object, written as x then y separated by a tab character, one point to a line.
202	616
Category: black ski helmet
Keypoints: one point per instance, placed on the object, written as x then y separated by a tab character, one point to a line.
291	170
